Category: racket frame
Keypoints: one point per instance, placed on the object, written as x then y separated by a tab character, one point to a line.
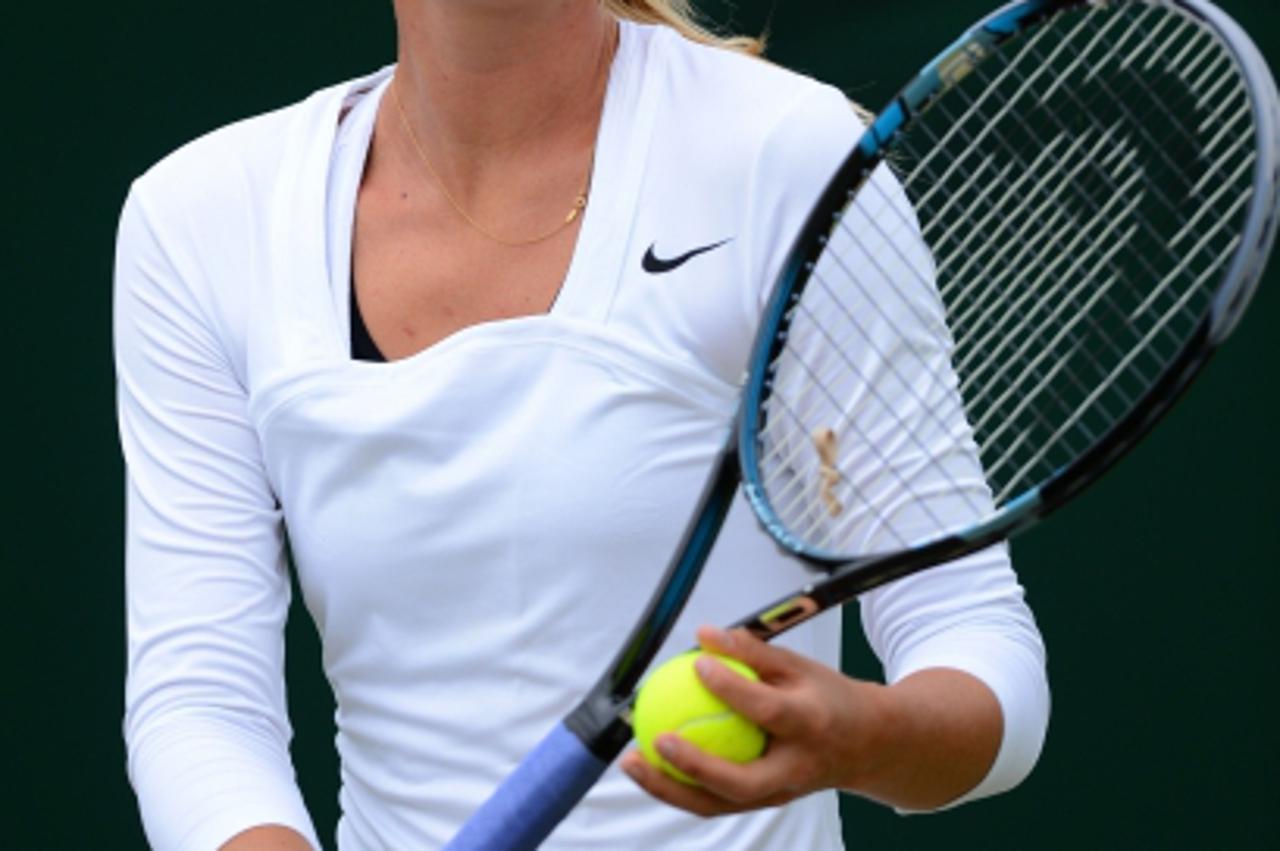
522	811
847	578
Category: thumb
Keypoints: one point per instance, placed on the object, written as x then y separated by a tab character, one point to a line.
772	663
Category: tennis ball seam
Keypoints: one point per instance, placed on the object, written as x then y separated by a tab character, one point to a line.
726	715
742	727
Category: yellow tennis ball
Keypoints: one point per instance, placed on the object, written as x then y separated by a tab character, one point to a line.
673	700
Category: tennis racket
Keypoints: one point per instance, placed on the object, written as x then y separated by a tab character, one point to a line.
1020	267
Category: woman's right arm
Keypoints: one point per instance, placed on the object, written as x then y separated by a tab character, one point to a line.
206	582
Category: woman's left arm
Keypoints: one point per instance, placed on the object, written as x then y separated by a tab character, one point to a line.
967	704
918	744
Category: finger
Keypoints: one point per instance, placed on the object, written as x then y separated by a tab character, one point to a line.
759	702
669	791
771	662
762	782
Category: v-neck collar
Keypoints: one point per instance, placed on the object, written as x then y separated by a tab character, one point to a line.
595	269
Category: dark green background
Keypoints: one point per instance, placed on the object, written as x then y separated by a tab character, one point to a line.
1155	595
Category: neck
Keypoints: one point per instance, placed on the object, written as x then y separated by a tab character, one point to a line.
481	78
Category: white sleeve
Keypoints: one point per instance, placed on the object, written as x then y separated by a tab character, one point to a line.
969	615
206	584
796	162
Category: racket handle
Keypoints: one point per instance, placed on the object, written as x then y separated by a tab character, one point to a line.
535	798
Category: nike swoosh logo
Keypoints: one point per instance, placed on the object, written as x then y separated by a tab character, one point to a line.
655	265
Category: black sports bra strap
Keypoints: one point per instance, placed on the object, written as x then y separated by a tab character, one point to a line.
362	345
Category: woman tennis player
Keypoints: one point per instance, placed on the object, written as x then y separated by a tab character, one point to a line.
471	330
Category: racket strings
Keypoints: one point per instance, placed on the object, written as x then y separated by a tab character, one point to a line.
1016	218
1216	257
926	392
1119	190
1060	223
1218	73
996	331
1159	101
790	490
794	492
964	319
999	380
1025	403
1015	252
825	523
922	399
1071	155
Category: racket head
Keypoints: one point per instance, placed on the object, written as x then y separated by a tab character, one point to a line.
1032	252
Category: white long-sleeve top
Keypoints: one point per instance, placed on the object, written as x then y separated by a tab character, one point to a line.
476	526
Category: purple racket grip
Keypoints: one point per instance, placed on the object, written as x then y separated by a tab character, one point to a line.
535	798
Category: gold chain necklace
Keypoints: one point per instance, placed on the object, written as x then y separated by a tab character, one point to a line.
579	203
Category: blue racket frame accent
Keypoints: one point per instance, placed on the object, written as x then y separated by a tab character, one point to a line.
952	66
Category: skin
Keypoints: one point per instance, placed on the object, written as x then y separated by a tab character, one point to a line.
268	838
506	97
918	744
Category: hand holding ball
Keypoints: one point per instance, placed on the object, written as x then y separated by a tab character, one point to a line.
674	700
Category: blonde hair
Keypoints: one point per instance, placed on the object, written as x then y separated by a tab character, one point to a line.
680	16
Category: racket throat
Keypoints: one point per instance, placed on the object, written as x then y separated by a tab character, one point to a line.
783	616
603	725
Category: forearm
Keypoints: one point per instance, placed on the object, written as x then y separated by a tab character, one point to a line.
918	744
267	838
934	737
